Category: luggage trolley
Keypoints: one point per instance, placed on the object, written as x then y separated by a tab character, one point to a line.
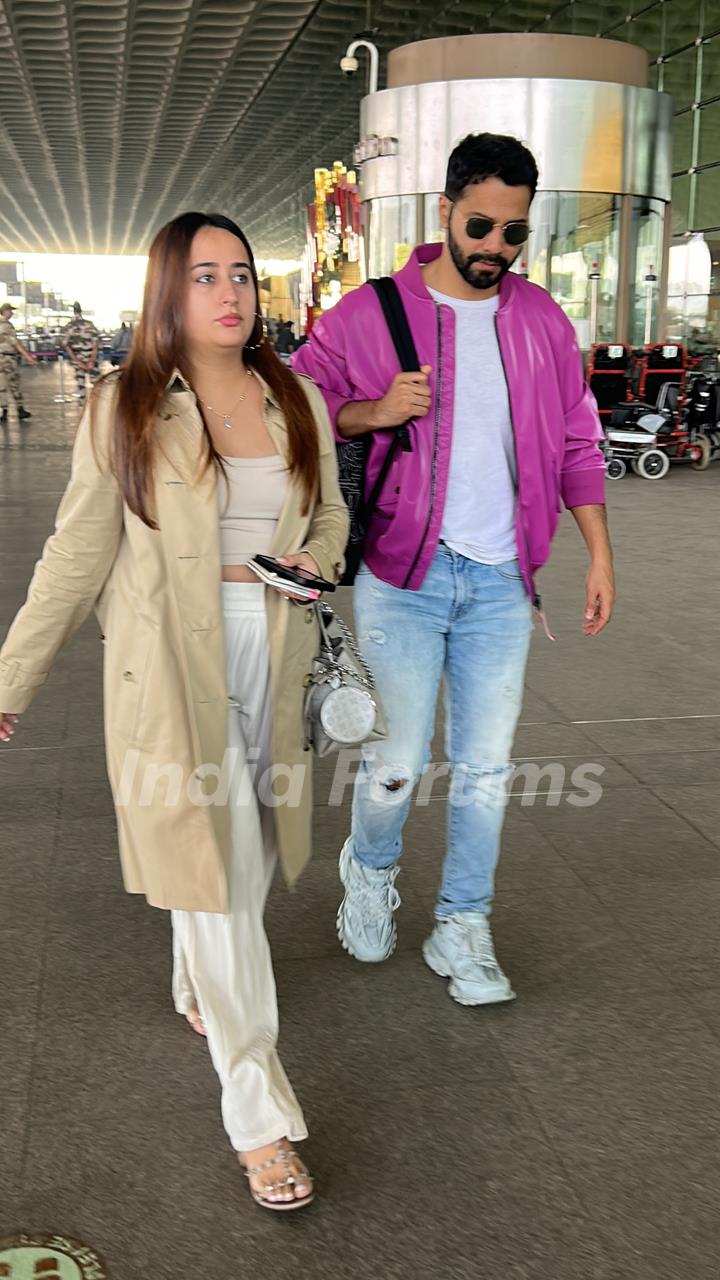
609	376
664	363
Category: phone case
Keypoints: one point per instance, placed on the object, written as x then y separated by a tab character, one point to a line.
282	584
313	581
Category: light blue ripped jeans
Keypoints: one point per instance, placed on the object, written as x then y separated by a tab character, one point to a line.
470	623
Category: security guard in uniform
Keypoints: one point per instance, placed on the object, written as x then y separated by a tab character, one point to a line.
81	340
10	349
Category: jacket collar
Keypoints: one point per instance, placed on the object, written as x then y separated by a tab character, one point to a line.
176	382
412	279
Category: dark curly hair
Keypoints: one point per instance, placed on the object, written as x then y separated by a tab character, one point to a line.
490	155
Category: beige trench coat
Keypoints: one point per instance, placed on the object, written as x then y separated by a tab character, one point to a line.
158	599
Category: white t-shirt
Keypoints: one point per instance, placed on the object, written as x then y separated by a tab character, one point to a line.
479	517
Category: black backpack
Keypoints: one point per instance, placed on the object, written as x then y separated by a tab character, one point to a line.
353	454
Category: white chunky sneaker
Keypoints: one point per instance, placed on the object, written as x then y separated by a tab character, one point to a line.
366	919
461	948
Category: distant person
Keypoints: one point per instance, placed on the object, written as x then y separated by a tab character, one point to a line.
10	349
121	344
81	341
701	342
285	342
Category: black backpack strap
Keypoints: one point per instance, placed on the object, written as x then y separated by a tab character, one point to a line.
397	322
389	298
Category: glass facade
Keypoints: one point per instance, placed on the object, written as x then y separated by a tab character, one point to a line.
682	38
575	255
692	76
572	232
646	257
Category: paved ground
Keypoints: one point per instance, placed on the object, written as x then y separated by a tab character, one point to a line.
570	1135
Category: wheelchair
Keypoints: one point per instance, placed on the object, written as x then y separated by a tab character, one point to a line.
648	437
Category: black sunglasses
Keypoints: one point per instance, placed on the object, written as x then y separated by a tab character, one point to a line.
514	233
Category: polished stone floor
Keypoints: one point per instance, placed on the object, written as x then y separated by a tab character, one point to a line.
570	1135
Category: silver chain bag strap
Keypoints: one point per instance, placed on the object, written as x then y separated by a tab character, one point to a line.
342	708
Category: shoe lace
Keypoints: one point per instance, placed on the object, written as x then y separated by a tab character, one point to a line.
479	944
377	893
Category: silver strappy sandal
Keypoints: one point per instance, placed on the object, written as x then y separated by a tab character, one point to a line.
283	1157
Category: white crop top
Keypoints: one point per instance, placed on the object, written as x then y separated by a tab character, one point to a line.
250	500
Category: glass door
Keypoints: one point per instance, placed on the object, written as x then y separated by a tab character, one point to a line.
584	249
393	233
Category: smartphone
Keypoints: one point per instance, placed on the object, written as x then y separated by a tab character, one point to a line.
293	576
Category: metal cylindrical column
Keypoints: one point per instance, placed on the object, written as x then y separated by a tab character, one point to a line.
530	86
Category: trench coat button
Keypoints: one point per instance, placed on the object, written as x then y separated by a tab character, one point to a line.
128	675
308	615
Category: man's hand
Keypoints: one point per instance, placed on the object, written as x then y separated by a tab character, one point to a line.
600	581
599	597
409	397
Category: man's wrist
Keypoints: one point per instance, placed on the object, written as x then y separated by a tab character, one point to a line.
357	417
374	414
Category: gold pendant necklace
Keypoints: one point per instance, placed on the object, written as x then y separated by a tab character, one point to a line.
226	417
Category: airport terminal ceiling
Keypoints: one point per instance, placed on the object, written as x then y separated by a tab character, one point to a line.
118	114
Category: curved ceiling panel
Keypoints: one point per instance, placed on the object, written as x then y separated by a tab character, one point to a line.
118	114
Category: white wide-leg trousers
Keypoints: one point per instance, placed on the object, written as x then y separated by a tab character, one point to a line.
222	963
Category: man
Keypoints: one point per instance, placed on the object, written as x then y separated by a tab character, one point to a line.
10	349
121	345
80	340
502	429
285	341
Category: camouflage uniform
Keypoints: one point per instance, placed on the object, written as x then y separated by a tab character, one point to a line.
9	372
80	335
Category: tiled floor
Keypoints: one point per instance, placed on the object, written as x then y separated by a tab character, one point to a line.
572	1134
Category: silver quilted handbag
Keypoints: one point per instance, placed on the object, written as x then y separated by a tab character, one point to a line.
342	708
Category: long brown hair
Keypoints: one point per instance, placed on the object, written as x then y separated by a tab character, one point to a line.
159	348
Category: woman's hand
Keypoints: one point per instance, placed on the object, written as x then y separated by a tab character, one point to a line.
299	560
7	725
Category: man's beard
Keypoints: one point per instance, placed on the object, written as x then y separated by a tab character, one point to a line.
479	279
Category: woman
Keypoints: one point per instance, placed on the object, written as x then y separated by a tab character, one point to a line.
203	451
